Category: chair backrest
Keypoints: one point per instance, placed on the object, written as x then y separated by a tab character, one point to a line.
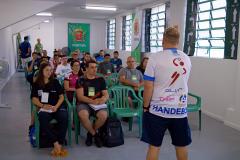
198	103
119	94
140	92
112	80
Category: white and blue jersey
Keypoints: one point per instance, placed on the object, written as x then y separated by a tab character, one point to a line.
169	70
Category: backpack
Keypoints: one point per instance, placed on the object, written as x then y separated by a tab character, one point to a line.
111	133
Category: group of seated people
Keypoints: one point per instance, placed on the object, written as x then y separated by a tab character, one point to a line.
79	76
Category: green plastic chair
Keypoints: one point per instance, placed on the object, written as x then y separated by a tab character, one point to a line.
112	80
37	124
77	121
119	105
196	107
140	92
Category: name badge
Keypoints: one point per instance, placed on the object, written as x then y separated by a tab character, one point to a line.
134	77
108	71
91	91
115	66
44	98
35	67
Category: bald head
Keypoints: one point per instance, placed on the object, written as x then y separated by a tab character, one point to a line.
130	62
171	37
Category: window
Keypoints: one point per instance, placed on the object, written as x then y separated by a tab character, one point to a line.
111	33
210	28
157	27
127	32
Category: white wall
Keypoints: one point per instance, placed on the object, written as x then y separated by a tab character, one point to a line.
44	31
217	81
97	33
7	49
13	11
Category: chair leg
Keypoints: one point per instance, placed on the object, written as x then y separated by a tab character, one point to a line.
140	126
69	132
130	123
200	119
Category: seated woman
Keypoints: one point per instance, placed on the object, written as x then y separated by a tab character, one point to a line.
47	95
71	79
143	65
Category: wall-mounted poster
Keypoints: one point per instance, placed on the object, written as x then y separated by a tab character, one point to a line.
79	37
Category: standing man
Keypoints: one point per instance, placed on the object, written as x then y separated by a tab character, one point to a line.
38	47
25	51
165	98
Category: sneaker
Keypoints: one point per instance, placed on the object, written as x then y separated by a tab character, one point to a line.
29	129
88	141
97	140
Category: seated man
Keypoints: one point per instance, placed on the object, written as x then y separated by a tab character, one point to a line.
64	68
74	56
106	67
100	57
44	52
130	76
86	58
32	67
117	62
91	90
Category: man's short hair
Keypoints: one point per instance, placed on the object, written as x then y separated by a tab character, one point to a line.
89	62
25	38
107	55
87	53
172	35
115	52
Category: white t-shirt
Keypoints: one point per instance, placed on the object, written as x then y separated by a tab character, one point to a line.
63	70
169	70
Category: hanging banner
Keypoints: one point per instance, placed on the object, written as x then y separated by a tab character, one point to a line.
18	42
137	35
79	37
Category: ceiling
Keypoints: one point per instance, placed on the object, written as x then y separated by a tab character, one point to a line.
75	8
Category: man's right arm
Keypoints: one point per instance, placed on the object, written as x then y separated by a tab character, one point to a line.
147	94
82	98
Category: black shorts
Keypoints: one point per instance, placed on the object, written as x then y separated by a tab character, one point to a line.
154	128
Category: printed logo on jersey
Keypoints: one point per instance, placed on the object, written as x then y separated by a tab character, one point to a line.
178	62
183	99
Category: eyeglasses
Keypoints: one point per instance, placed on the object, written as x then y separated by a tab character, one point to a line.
130	61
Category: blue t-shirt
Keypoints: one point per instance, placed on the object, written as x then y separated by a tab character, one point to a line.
100	59
24	49
117	63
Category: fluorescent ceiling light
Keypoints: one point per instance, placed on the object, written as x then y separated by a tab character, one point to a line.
46	21
44	14
101	8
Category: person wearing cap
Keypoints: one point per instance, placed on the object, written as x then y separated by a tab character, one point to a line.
64	68
74	56
165	98
106	67
117	62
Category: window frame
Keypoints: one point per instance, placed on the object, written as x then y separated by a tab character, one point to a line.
111	34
